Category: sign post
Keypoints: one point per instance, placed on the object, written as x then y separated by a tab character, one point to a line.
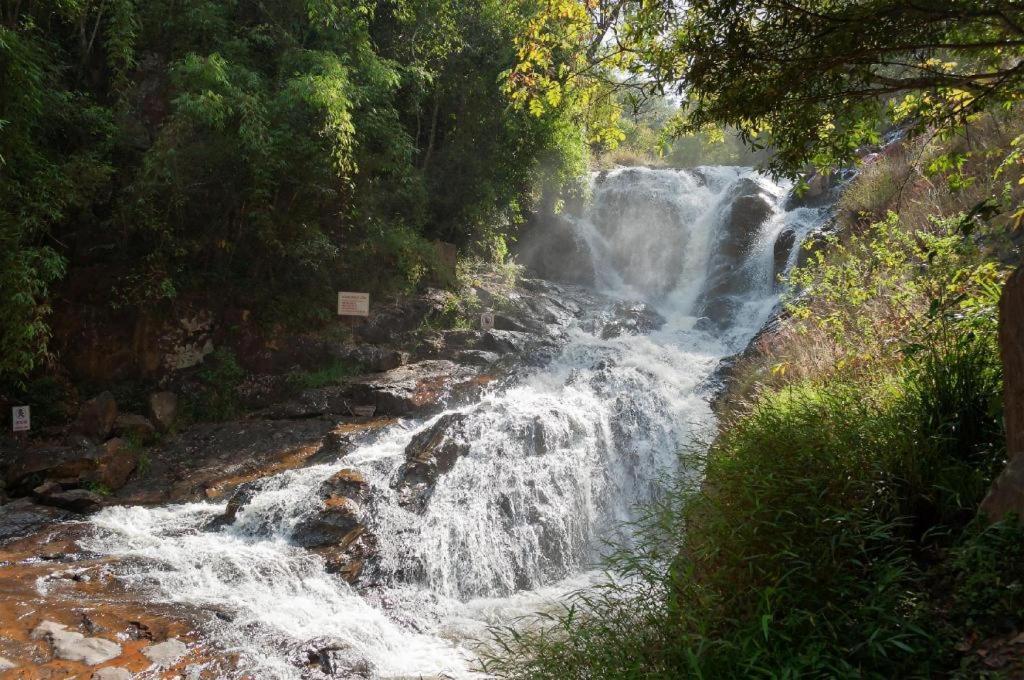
353	304
21	418
487	321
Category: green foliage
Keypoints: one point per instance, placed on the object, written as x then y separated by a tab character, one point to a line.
272	152
333	374
217	399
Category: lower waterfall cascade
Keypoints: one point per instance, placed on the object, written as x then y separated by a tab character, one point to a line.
555	464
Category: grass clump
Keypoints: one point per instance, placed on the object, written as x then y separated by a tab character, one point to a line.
337	372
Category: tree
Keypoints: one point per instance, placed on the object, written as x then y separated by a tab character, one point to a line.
813	78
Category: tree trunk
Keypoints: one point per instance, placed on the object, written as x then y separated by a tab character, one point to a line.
1007	492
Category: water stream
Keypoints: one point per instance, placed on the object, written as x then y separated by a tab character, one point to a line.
555	464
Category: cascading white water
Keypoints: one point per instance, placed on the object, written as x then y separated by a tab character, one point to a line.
555	463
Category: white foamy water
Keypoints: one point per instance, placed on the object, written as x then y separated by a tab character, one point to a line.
555	463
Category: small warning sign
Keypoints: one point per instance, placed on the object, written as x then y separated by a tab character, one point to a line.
21	418
487	321
353	304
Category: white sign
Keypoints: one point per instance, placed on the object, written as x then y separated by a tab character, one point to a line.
487	321
353	304
21	416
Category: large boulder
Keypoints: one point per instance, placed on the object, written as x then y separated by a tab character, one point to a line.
163	409
210	460
430	454
420	387
337	530
781	250
96	417
630	318
1007	492
109	464
552	248
75	500
134	426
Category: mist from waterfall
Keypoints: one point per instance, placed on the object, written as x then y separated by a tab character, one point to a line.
556	462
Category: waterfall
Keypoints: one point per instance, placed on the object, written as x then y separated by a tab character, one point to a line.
552	465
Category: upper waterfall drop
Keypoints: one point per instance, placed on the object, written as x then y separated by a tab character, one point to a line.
538	474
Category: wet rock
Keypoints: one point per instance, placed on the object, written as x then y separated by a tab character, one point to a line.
73	646
780	253
132	425
242	496
331	658
23	517
112	673
430	454
631	318
163	410
338	523
96	416
553	249
211	460
81	501
166	653
414	388
337	531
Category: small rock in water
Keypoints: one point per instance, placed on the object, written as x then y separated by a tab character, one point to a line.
167	653
112	673
73	646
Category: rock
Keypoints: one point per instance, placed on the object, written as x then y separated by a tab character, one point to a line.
389	322
476	357
166	653
114	464
374	359
22	517
346	483
553	249
313	402
780	253
430	454
338	523
163	410
333	658
337	531
112	673
73	646
503	342
6	664
31	466
210	460
96	416
631	318
414	388
1007	492
135	426
81	501
242	496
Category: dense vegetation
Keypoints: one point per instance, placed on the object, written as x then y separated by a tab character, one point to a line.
271	152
